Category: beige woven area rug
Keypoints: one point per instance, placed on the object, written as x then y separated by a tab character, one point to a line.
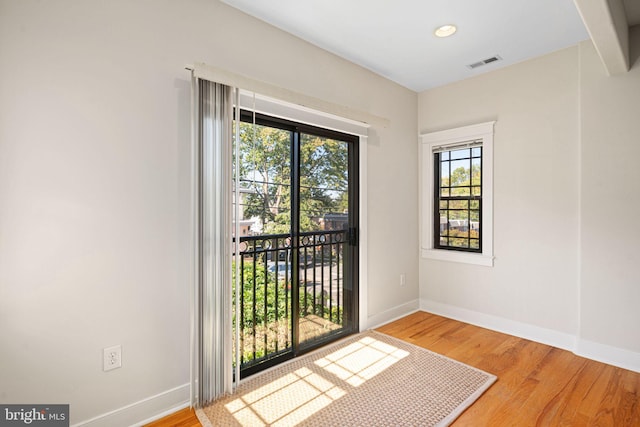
368	379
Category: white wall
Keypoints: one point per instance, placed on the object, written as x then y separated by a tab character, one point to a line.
609	232
565	179
535	277
94	185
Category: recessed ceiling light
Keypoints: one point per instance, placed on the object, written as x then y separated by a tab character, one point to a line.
445	30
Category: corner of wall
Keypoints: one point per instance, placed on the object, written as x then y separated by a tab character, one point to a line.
391	314
615	356
511	327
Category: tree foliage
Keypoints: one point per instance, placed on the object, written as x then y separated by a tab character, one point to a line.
265	170
265	314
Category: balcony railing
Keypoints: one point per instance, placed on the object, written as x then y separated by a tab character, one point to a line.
265	316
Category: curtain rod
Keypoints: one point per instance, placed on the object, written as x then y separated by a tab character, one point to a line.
219	75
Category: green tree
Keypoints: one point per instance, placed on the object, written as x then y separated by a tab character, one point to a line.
323	178
270	321
265	171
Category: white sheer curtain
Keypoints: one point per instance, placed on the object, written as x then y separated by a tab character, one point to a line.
212	353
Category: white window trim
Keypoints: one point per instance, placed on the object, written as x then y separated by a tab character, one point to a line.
481	131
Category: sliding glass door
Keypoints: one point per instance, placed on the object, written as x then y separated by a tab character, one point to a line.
297	222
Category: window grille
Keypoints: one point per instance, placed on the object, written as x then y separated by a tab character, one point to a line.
457	219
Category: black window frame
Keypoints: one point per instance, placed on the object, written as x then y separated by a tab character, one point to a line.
438	197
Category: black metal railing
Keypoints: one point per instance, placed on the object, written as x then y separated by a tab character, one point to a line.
266	277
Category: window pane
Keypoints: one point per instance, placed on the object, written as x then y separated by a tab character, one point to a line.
460	170
475	204
444	155
459	204
444	231
444	192
474	244
444	173
265	179
476	152
474	233
460	154
459	223
460	191
324	196
476	172
444	204
477	191
459	233
459	243
459	215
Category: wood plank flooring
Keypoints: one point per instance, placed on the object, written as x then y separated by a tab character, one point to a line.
537	385
184	418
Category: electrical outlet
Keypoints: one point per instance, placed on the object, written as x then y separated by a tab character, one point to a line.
112	358
403	279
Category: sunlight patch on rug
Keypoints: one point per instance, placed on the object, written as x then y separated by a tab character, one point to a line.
286	401
361	361
303	393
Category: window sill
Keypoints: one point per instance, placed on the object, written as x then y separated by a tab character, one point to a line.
455	256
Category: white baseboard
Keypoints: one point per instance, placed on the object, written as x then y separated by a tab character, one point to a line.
591	350
608	354
143	411
392	314
500	324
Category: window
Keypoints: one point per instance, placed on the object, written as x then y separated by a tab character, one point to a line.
458	198
457	169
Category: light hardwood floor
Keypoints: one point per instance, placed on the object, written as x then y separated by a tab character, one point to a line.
537	385
185	418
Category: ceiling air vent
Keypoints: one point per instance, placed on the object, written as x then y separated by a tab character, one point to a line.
484	62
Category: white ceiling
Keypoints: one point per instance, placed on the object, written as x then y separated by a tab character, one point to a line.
395	38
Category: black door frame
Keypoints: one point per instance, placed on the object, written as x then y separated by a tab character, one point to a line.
351	275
